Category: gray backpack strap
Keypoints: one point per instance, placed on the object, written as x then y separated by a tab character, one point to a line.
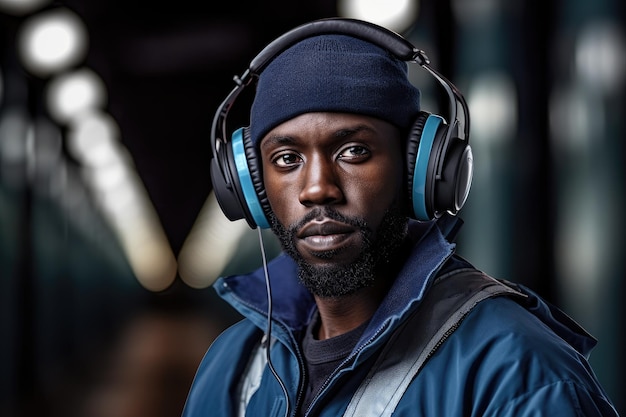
440	313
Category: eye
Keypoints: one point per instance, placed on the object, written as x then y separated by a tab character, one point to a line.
354	153
286	159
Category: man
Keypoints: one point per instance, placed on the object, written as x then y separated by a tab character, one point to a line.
371	313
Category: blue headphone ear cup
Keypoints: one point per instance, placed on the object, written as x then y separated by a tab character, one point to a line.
226	185
419	165
412	147
259	207
225	195
431	196
237	182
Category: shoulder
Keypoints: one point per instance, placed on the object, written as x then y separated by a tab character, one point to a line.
507	339
509	362
219	372
235	342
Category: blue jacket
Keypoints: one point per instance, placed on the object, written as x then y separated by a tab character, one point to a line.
505	359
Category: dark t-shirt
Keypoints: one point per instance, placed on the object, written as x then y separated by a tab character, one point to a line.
322	357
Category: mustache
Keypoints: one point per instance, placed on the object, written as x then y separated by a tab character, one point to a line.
330	213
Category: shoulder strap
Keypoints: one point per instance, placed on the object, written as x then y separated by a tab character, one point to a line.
440	313
251	378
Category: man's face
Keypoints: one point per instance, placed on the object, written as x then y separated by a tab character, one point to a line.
334	182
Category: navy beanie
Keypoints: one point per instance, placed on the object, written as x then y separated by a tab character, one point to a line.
333	73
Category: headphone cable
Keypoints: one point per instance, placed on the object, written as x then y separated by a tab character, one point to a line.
268	341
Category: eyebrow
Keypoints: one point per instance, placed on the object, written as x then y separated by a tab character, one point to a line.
281	140
277	140
342	133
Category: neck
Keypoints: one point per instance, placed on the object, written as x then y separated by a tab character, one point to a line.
339	315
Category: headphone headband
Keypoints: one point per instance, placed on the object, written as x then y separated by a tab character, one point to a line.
369	32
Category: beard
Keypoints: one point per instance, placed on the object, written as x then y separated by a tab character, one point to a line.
337	280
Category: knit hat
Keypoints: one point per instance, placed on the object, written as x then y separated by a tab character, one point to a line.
333	73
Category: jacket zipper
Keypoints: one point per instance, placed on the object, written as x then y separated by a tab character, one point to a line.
346	361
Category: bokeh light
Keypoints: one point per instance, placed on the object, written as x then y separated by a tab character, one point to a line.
52	41
397	15
108	169
70	94
210	245
601	56
94	138
21	7
14	127
492	101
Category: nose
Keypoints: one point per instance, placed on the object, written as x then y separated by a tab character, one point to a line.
321	184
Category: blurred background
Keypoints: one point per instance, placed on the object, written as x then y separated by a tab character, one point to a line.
110	236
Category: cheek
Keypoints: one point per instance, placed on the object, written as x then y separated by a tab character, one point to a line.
378	191
390	176
282	198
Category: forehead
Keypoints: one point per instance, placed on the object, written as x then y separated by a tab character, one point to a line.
324	125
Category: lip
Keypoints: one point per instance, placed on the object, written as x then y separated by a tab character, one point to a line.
324	235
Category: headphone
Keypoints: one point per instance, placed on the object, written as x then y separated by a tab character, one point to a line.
438	155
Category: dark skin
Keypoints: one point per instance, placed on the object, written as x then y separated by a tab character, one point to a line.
351	162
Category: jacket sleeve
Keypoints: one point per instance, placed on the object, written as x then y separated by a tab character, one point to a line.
559	399
213	391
